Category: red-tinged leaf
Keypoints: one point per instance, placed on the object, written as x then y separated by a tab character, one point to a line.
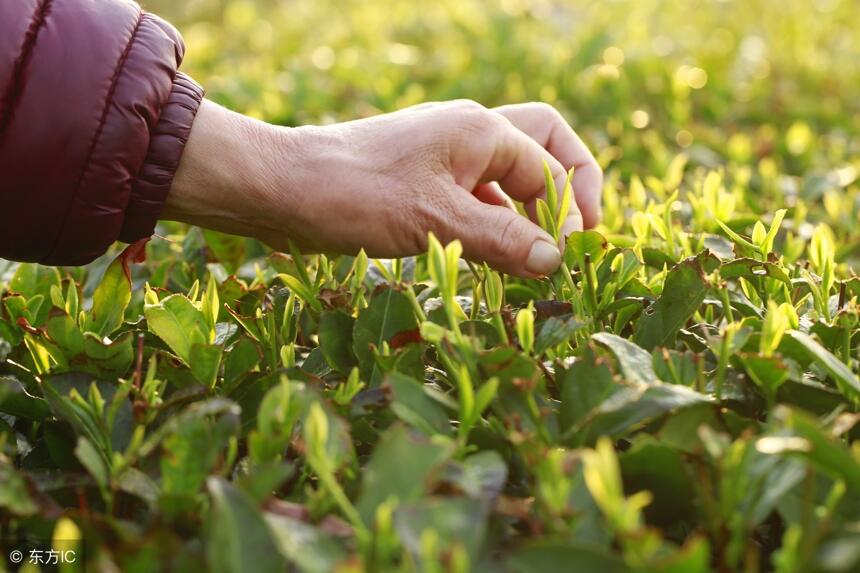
26	326
134	253
405	337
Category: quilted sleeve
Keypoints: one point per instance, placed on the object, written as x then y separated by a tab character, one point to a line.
94	117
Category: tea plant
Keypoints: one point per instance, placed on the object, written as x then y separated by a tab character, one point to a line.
682	395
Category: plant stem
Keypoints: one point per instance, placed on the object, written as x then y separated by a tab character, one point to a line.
499	323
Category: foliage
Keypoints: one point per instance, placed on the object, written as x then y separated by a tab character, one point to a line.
681	396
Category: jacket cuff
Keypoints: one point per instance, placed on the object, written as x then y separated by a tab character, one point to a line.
167	143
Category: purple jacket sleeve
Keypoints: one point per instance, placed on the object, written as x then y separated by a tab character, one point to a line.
94	117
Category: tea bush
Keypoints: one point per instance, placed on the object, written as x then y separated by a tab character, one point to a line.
682	396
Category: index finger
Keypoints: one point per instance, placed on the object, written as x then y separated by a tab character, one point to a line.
505	154
547	127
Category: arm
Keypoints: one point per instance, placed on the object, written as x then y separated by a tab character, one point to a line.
382	183
93	121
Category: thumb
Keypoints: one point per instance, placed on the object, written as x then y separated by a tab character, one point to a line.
505	240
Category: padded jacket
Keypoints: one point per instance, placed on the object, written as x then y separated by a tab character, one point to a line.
94	116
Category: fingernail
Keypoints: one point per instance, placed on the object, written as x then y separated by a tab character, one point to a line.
544	258
571	224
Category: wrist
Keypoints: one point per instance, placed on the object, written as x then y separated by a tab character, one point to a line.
235	175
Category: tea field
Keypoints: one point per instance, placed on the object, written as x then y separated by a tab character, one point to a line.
682	396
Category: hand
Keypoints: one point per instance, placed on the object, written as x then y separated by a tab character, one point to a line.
382	183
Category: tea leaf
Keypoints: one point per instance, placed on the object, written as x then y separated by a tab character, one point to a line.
388	314
237	531
846	380
177	322
114	292
683	292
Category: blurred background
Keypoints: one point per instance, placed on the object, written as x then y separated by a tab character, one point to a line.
297	61
760	87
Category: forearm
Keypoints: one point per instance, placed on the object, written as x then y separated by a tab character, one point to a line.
231	168
383	183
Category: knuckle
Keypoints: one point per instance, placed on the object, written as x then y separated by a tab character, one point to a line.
547	111
475	117
467	105
498	121
469	134
492	125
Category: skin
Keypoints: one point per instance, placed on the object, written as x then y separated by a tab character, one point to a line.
383	183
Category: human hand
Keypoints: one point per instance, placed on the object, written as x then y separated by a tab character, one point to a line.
383	183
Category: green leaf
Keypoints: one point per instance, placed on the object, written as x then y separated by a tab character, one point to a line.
566	199
107	358
437	263
480	476
660	469
279	412
551	190
179	323
630	408
767	243
413	405
584	386
63	330
481	330
205	361
402	468
768	372
238	535
828	454
546	556
453	252
113	294
555	331
311	550
388	314
63	393
752	268
139	484
191	449
456	521
229	250
485	395
847	382
211	305
545	218
17	401
304	292
740	241
525	326
675	367
265	480
336	340
93	460
683	292
241	360
31	281
635	363
15	495
326	434
581	243
693	557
